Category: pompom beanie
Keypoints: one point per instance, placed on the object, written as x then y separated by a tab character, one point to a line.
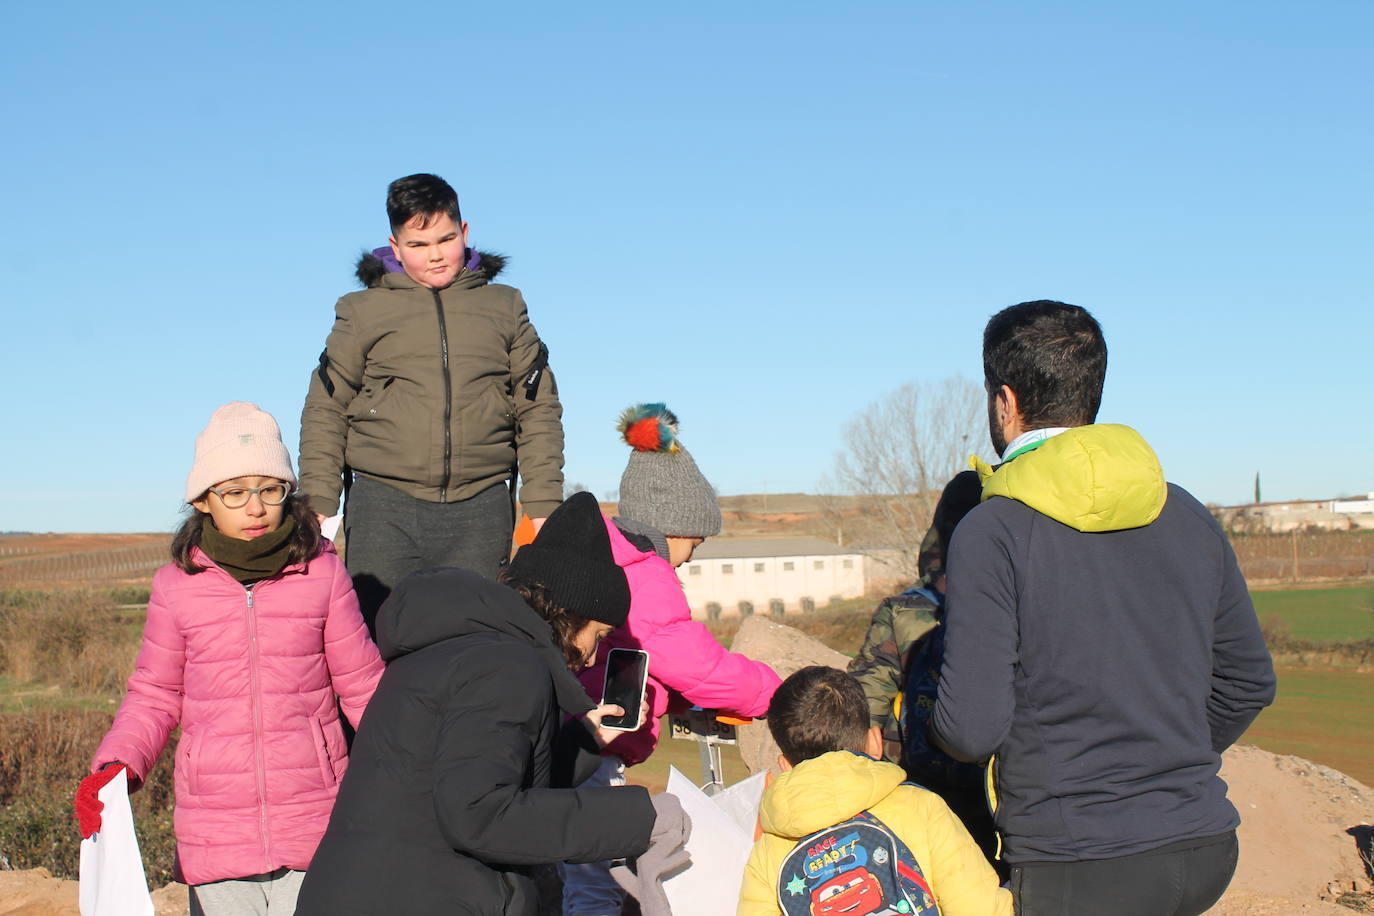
662	486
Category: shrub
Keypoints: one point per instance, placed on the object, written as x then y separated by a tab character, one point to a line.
1278	634
72	639
43	756
129	594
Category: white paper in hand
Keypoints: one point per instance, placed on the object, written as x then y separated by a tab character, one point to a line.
722	835
112	878
330	527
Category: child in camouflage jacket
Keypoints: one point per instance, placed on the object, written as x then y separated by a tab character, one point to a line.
901	656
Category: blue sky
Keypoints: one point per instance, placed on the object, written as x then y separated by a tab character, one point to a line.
766	215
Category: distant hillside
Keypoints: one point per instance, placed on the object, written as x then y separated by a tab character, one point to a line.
835	518
46	560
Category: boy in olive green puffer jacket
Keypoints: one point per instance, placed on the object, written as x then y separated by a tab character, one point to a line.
432	393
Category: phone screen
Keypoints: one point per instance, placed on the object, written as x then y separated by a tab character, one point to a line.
626	670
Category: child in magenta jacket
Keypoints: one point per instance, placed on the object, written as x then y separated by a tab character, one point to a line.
667	508
252	632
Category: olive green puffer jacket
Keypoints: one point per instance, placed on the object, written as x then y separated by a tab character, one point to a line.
435	392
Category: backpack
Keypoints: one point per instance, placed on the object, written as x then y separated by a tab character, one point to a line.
856	868
924	764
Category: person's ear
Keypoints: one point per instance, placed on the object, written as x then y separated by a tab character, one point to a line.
873	744
463	232
1008	408
202	505
395	246
784	764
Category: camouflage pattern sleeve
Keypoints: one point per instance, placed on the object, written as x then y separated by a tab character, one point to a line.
878	666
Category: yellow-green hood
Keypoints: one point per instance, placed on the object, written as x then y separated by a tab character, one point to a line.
824	791
1103	477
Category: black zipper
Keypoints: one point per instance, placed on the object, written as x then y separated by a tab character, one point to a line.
448	395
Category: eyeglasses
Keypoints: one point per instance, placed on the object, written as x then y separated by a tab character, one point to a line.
271	494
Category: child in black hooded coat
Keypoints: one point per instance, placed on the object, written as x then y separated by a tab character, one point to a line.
450	790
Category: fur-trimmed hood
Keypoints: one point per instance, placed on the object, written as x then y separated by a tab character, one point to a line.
377	263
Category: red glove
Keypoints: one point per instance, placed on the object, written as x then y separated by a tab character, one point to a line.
88	805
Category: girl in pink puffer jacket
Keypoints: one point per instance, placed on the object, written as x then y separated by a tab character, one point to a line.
667	508
252	632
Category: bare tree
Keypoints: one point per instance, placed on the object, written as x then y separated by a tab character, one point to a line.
898	454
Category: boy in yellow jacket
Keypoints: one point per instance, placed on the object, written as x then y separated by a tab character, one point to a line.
843	833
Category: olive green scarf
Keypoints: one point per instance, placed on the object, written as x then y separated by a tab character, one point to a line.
249	561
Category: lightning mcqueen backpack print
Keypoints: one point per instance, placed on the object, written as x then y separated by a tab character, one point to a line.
857	868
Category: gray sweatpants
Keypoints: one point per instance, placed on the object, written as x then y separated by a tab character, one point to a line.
270	894
389	534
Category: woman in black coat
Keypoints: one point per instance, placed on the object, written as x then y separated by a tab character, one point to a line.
449	792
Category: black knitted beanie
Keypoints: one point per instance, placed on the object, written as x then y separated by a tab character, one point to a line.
571	558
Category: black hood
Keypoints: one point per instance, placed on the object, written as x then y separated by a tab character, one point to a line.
370	268
435	605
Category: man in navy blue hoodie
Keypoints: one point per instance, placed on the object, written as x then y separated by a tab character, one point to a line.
1101	644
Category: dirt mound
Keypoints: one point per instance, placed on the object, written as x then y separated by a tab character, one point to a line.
38	893
1301	831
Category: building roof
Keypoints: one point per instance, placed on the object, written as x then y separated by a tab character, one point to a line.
749	548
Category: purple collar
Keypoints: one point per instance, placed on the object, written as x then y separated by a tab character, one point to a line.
393	266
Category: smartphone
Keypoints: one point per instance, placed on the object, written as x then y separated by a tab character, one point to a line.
626	672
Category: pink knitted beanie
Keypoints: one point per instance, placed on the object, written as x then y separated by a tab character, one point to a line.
242	440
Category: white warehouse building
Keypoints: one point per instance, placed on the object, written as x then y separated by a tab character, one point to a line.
726	571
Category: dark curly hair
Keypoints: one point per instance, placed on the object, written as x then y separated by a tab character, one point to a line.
564	624
305	540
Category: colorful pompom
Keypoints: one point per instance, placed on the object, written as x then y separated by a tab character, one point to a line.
649	428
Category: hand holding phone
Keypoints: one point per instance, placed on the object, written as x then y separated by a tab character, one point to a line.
602	735
627	670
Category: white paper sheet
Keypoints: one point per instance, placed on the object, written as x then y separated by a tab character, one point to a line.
112	878
722	835
741	802
330	526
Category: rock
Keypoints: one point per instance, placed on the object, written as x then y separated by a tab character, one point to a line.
786	650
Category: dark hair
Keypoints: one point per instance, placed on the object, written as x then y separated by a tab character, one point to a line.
960	496
818	710
304	543
423	195
564	624
1053	356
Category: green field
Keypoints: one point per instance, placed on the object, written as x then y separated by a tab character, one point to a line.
1341	614
1326	716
